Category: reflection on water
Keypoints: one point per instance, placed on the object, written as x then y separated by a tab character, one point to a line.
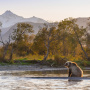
15	80
58	73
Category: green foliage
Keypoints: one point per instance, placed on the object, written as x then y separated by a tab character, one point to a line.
22	29
60	60
84	63
23	41
67	30
44	37
62	43
88	44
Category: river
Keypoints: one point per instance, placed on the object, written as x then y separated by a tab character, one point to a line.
21	80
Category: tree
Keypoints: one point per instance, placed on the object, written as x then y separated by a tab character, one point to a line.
5	45
66	36
67	29
43	40
22	29
79	32
49	37
20	36
88	39
88	44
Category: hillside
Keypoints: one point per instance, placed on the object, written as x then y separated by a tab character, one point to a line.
9	19
83	22
9	23
11	29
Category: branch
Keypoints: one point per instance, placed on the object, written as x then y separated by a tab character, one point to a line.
2	43
45	43
2	40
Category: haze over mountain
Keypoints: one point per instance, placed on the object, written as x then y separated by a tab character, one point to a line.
9	23
11	29
8	19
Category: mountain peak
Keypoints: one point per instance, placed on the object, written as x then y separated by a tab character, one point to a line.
34	17
8	18
8	12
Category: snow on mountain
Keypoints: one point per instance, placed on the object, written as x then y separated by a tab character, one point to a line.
8	19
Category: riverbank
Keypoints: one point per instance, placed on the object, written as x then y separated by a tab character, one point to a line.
33	67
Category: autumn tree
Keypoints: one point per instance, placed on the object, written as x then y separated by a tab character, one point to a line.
44	38
88	44
5	45
66	36
80	32
88	39
69	31
20	38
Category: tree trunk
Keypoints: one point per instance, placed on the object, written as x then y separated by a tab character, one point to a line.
11	54
5	51
45	57
47	46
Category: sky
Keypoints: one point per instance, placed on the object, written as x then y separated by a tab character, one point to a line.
50	10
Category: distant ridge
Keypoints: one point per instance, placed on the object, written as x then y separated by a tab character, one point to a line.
9	18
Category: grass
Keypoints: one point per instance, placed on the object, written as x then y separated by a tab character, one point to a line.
55	60
28	57
49	62
83	63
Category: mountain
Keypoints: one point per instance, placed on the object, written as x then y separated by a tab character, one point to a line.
9	23
8	19
11	29
83	21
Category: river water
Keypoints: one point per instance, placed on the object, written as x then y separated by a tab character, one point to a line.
21	80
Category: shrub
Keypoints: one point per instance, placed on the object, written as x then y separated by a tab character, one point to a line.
60	60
